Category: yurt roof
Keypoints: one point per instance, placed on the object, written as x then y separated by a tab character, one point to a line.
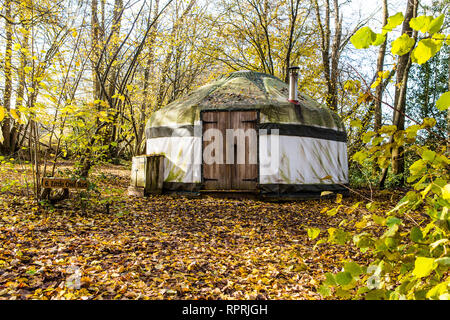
246	90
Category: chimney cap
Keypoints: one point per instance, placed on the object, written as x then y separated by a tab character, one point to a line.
294	68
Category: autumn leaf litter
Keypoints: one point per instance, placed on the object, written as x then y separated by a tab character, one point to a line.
164	247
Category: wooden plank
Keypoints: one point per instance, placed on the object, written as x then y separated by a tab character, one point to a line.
154	174
215	175
245	175
62	183
138	173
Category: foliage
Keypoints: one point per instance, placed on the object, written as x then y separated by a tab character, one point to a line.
427	86
411	258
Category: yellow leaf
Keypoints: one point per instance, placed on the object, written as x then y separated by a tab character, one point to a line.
445	190
16	46
15	115
2	113
361	224
423	266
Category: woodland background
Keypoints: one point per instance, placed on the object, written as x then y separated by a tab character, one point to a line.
79	80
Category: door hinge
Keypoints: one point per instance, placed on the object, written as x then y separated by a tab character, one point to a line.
208	122
254	120
208	179
251	180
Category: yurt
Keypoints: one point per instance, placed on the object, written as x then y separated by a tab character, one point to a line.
250	132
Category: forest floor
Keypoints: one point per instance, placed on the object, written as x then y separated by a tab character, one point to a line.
163	247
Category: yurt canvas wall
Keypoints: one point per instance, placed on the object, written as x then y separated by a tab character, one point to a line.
311	155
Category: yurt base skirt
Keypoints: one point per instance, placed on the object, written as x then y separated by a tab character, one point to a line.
300	191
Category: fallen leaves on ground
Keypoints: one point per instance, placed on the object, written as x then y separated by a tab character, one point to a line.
165	247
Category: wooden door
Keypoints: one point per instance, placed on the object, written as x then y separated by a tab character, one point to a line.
239	170
244	171
216	175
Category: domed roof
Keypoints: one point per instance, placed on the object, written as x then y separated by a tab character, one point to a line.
246	90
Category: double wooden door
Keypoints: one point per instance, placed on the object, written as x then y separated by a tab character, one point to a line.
237	167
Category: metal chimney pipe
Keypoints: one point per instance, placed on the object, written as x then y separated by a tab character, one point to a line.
293	84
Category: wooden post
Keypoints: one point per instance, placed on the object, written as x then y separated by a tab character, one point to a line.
155	174
147	175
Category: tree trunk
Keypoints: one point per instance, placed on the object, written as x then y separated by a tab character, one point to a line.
380	66
149	70
403	66
115	30
166	65
95	44
292	25
6	126
330	60
21	84
448	111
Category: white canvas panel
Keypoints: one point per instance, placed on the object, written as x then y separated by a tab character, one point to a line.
301	160
183	157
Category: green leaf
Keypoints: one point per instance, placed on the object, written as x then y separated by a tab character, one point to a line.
344	278
379	220
429	155
392	221
445	261
376	294
423	266
363	38
313	233
436	24
390	232
360	156
344	294
393	22
417	167
356	123
425	50
444	101
411	131
354	268
421	23
324	291
402	45
428	123
330	279
368	136
338	236
388	129
332	212
416	234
